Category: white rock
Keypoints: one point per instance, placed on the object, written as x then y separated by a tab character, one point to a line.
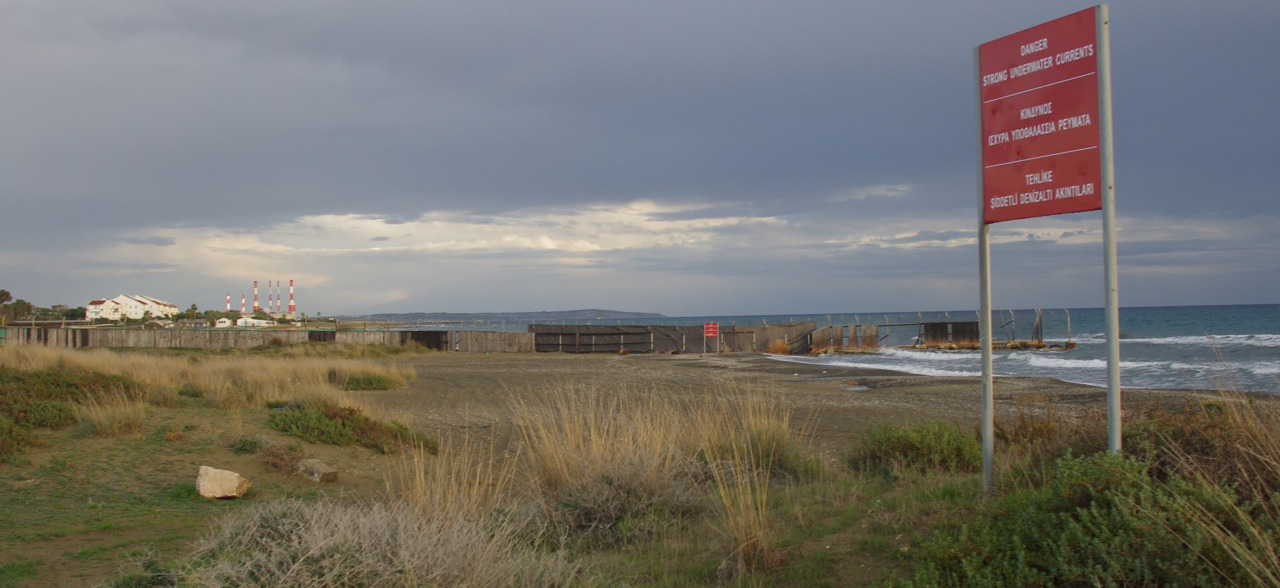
215	483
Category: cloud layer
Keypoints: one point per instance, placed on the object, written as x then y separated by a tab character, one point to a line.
727	158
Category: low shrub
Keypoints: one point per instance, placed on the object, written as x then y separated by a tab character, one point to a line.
313	426
282	457
340	425
14	438
50	414
921	446
295	543
245	445
65	384
368	382
1102	520
1234	441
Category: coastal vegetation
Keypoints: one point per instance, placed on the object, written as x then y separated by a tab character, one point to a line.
638	486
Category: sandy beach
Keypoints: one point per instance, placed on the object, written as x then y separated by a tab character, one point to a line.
468	394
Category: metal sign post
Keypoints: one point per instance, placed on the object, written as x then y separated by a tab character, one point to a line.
1044	142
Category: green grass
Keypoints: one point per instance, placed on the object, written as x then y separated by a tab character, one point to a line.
11	573
920	446
368	382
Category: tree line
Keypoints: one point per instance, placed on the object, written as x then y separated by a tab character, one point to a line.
17	310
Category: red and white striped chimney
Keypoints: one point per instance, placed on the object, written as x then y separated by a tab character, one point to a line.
292	307
242	305
255	297
228	302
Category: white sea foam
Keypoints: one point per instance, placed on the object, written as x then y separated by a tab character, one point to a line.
1212	340
931	355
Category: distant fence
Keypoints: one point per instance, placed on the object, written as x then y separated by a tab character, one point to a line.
795	338
467	341
669	339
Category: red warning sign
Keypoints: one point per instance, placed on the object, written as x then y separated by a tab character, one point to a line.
1041	139
710	329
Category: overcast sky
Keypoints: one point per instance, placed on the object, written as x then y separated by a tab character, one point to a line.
685	158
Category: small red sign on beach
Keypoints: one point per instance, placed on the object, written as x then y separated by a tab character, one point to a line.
1041	139
710	329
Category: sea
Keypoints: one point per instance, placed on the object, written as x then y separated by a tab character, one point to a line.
1170	347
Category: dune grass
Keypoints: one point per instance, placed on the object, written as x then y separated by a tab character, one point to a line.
108	392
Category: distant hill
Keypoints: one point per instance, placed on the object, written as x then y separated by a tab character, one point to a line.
539	316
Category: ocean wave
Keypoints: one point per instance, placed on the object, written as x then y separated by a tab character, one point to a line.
931	354
893	362
1069	366
1042	361
1268	368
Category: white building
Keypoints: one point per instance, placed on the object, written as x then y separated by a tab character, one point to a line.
133	306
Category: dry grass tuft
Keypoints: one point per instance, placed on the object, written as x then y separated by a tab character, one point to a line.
464	480
619	465
606	463
757	422
322	544
112	416
742	488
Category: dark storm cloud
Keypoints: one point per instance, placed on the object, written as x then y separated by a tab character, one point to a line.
835	120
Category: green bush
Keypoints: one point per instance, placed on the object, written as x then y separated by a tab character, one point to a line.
921	446
368	382
64	384
1100	521
49	414
245	445
336	425
312	425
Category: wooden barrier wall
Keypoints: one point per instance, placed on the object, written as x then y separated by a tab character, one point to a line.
840	338
669	339
492	342
468	341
